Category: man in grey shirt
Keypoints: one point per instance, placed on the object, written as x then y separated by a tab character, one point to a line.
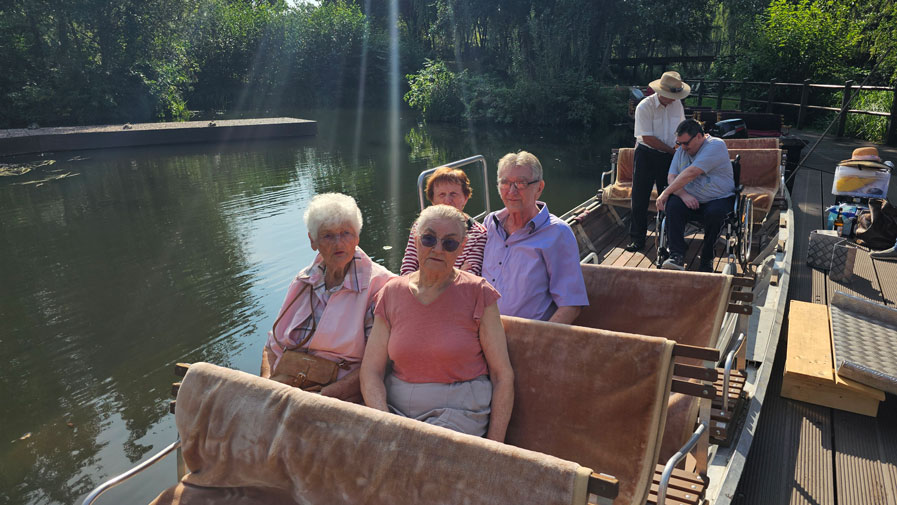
701	186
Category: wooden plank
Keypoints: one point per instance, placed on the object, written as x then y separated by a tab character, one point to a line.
697	352
681	479
603	485
860	477
809	373
693	389
694	372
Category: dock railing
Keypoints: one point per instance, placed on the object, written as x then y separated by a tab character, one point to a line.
774	88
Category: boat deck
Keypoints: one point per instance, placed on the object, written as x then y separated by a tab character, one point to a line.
804	453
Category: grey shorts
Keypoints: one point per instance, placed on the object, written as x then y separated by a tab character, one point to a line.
460	406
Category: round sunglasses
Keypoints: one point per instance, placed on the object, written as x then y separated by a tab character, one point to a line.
448	244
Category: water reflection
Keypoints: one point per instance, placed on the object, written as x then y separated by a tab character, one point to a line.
145	257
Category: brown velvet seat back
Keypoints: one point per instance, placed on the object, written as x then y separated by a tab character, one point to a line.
755	143
251	440
687	307
591	396
760	177
625	164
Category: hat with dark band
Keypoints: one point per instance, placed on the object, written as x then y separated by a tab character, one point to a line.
864	157
670	85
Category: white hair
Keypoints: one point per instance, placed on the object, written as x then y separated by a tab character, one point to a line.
332	209
439	212
521	159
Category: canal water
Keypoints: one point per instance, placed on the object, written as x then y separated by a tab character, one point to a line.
116	264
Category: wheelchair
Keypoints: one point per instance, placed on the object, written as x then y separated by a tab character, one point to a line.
738	227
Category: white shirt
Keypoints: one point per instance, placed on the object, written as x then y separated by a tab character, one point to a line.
652	118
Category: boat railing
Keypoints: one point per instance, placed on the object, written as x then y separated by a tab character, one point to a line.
111	483
478	159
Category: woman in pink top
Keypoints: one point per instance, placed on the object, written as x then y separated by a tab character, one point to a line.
450	186
440	328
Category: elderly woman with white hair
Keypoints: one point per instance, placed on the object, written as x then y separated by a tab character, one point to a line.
319	336
441	330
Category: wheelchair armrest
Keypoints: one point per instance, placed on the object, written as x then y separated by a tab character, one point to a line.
739	189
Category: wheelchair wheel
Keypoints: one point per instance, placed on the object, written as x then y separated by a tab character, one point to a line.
745	233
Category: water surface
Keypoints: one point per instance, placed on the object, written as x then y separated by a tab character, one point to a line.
141	258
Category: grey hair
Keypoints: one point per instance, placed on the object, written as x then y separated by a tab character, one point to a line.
521	159
332	209
438	212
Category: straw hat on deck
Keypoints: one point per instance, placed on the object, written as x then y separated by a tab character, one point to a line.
864	157
670	85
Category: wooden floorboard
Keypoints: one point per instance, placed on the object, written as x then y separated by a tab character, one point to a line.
860	466
886	271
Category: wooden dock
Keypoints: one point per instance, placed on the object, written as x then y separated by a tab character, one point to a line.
809	454
68	138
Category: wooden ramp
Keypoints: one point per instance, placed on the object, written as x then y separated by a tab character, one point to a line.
810	374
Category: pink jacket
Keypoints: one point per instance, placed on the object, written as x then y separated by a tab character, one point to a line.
340	332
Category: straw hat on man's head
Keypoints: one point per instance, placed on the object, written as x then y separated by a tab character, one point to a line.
864	157
670	85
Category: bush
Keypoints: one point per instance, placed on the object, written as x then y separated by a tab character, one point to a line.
435	91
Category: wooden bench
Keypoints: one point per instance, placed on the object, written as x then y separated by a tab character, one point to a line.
649	302
601	398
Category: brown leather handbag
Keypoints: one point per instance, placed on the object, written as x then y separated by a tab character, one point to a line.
300	369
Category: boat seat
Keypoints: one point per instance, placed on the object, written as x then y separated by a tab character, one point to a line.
761	172
649	302
619	192
592	396
754	143
761	175
251	440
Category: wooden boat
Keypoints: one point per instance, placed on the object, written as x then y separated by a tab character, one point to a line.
682	437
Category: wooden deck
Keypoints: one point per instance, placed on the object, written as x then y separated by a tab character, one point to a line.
803	453
807	454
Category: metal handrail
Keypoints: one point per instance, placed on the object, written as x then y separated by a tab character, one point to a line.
674	460
422	181
730	358
109	484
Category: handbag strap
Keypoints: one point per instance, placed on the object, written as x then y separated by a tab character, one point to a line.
311	306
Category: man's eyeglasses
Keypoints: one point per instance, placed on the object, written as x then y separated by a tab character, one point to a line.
505	185
448	244
685	144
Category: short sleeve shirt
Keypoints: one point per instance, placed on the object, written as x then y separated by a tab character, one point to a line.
438	342
652	118
712	158
536	269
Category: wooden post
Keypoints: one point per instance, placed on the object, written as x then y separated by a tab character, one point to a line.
845	101
742	105
772	94
700	91
720	86
891	135
804	95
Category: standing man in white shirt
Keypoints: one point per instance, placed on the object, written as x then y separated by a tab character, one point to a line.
656	119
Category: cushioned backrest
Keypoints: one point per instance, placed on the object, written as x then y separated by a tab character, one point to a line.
653	302
755	143
759	167
272	443
625	162
592	396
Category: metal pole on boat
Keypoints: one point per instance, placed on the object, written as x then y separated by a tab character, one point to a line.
111	483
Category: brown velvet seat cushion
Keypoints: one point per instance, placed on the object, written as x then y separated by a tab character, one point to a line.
592	396
760	177
248	438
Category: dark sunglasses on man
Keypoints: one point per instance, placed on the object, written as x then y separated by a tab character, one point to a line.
448	244
685	144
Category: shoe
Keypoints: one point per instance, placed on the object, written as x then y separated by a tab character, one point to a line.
634	246
675	262
887	254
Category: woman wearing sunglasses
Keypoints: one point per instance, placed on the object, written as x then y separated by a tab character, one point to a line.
440	329
450	186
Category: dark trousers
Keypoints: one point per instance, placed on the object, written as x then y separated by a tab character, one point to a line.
711	214
650	167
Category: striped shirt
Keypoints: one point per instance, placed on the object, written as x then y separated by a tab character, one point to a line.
472	253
